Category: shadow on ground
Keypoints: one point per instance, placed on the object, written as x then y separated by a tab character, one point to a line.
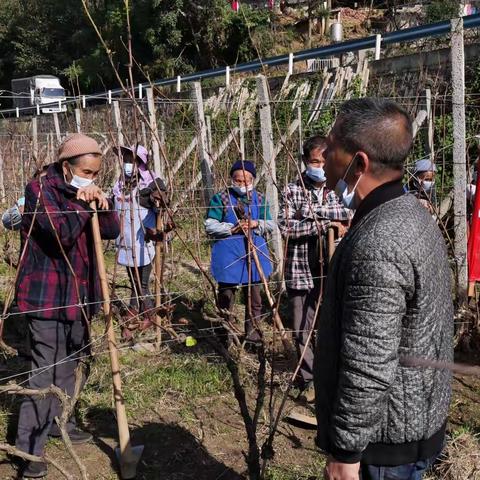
170	451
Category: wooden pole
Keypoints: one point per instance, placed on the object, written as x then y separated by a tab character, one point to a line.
241	127
331	243
118	122
144	134
2	182
459	158
153	128
269	160
202	143
162	134
78	120
57	128
300	137
127	455
159	252
35	139
120	140
208	122
430	146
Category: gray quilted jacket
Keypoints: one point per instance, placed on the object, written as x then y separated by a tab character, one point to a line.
388	295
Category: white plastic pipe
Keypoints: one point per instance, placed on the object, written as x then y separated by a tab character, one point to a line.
179	85
227	76
109	97
38	109
378	46
84	101
140	91
290	63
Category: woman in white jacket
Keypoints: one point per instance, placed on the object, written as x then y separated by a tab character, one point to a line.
137	195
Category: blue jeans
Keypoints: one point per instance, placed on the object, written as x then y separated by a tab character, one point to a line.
410	471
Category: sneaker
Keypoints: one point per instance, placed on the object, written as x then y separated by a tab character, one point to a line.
35	470
77	436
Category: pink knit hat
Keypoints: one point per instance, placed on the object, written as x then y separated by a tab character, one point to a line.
76	145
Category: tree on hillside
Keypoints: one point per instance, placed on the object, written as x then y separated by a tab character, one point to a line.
170	37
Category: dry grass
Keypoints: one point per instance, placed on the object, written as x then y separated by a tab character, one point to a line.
460	460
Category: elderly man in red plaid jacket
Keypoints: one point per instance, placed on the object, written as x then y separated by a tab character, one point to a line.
57	287
307	211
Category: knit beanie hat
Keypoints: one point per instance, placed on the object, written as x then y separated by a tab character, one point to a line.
246	165
76	145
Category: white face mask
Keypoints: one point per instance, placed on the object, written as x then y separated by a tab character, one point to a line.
427	185
317	174
128	169
80	182
242	190
341	189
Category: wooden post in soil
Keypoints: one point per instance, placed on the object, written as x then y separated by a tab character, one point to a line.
202	143
128	455
35	140
430	134
269	162
118	166
57	128
241	127
2	183
78	120
158	167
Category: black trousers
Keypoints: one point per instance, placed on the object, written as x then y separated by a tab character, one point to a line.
303	304
226	300
142	290
51	341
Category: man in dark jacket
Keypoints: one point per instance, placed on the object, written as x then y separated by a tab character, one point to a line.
57	286
387	300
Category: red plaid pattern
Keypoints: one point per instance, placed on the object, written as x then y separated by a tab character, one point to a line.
46	281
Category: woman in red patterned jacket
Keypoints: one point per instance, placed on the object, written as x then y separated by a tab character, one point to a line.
57	287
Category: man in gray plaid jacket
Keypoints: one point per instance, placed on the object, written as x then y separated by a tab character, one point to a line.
308	210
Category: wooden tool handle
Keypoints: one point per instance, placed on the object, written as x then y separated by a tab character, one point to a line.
122	422
330	243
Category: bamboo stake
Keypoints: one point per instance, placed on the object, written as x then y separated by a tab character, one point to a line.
331	243
128	457
159	251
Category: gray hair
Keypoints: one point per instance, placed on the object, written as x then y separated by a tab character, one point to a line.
380	128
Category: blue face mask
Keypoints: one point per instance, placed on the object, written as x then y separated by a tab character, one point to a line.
317	174
341	189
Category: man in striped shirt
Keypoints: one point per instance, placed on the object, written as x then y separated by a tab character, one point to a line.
308	210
